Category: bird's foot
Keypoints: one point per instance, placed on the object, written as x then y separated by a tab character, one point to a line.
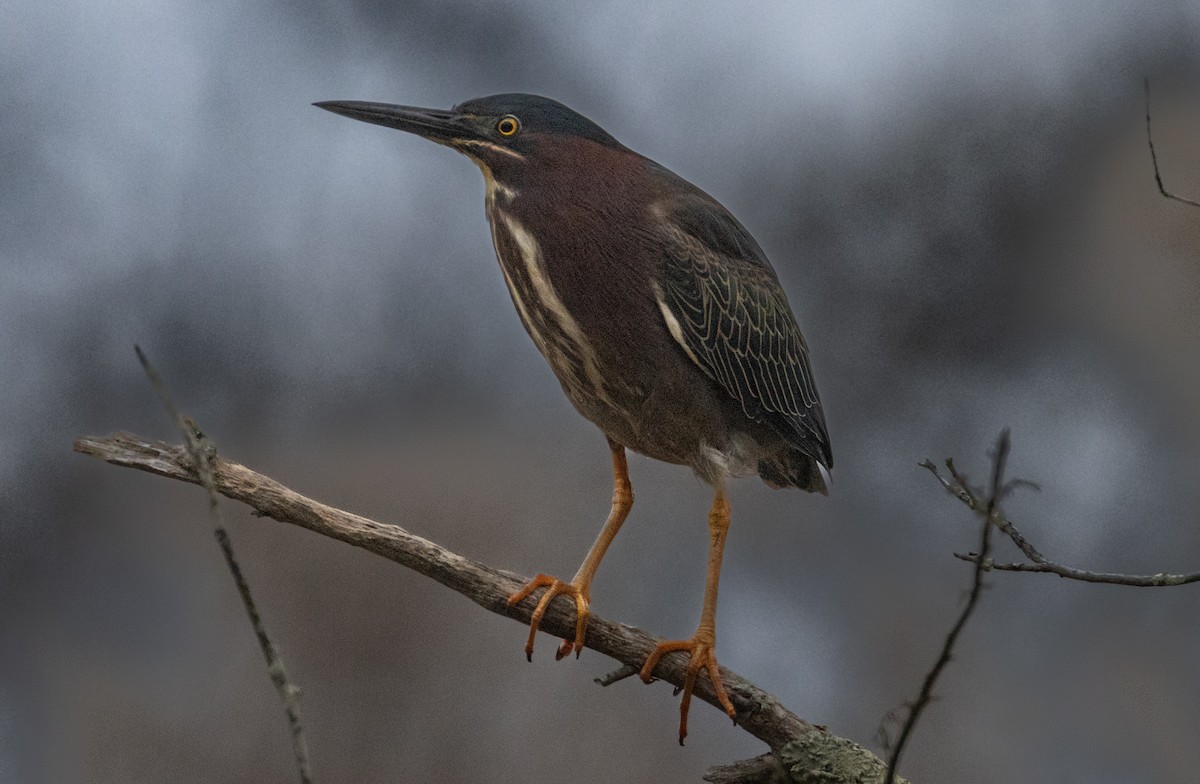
702	657
555	587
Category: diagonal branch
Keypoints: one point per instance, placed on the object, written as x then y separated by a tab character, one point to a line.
958	487
808	753
925	696
201	452
1154	160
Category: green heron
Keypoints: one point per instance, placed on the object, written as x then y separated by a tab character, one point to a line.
655	308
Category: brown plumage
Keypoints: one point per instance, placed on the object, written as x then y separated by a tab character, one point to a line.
657	311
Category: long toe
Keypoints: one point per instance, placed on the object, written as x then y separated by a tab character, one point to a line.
554	587
701	657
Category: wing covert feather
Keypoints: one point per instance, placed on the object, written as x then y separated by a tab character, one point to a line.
736	322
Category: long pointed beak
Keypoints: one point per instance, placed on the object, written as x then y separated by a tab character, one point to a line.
437	125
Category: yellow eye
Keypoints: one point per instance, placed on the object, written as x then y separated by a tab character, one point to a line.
507	126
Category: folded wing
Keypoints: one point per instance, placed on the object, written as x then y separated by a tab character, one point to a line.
734	321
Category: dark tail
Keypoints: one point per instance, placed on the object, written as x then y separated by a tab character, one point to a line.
793	468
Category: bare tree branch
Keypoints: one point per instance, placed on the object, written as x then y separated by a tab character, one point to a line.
1160	580
926	694
958	487
808	753
1154	160
202	453
764	769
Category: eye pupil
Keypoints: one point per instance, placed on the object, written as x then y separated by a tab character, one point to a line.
507	126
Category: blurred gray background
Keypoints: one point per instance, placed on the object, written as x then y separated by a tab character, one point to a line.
959	200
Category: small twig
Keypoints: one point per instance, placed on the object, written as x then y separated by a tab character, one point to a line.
1154	157
926	694
957	487
202	453
1160	580
619	674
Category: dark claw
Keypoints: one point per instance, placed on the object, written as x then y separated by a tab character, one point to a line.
564	650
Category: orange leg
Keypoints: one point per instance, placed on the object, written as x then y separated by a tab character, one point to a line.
701	645
580	586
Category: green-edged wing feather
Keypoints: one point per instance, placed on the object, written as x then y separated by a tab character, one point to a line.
736	323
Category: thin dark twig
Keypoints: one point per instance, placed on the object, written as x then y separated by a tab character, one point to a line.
963	492
1160	580
1154	157
1040	563
926	694
202	452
